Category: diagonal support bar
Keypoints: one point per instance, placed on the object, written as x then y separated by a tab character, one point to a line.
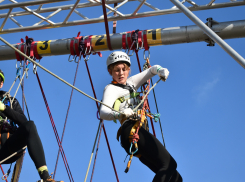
73	8
210	33
34	13
80	14
150	6
118	6
108	7
15	21
138	8
6	18
49	16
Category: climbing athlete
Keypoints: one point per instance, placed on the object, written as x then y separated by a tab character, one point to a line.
13	138
150	150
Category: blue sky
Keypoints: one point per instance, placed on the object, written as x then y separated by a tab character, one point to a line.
201	104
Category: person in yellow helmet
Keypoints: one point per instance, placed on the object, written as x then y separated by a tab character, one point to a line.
13	137
150	150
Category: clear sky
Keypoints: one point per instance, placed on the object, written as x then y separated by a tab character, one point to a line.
201	104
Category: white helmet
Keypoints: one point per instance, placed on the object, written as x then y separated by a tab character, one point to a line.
116	57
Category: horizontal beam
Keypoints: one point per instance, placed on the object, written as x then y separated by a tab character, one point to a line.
28	3
112	18
155	37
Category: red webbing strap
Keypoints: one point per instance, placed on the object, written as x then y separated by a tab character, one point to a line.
77	41
153	129
55	132
140	39
88	45
146	46
32	50
124	44
63	133
102	123
106	26
16	53
124	41
22	50
3	172
129	39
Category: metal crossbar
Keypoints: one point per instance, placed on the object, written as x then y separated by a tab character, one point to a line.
88	17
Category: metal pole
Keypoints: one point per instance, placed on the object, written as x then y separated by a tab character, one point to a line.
155	37
210	33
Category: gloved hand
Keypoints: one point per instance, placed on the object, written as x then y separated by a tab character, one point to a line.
128	112
163	73
2	106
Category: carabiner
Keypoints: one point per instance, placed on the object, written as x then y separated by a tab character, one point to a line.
88	51
145	58
86	58
75	58
130	149
5	176
35	67
70	60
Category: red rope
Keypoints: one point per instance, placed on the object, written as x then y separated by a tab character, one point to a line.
153	129
106	25
66	116
102	123
55	132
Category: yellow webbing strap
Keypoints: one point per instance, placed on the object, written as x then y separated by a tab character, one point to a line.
116	107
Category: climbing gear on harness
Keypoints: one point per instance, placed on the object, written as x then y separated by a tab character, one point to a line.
5	176
18	152
117	56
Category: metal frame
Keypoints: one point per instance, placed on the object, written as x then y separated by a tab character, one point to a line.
237	57
89	19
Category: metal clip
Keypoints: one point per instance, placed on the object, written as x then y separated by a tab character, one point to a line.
70	60
148	57
5	176
35	67
86	58
89	52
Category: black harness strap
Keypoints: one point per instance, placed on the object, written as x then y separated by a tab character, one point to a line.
127	87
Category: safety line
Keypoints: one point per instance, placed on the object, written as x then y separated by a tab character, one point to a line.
106	26
97	149
153	129
158	112
67	113
55	132
102	125
90	160
13	154
37	64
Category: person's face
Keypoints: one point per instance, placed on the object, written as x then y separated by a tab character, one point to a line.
1	84
119	73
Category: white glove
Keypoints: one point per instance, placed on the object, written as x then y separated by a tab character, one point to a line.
128	112
163	73
2	106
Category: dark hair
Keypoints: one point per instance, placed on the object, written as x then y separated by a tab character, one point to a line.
1	74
